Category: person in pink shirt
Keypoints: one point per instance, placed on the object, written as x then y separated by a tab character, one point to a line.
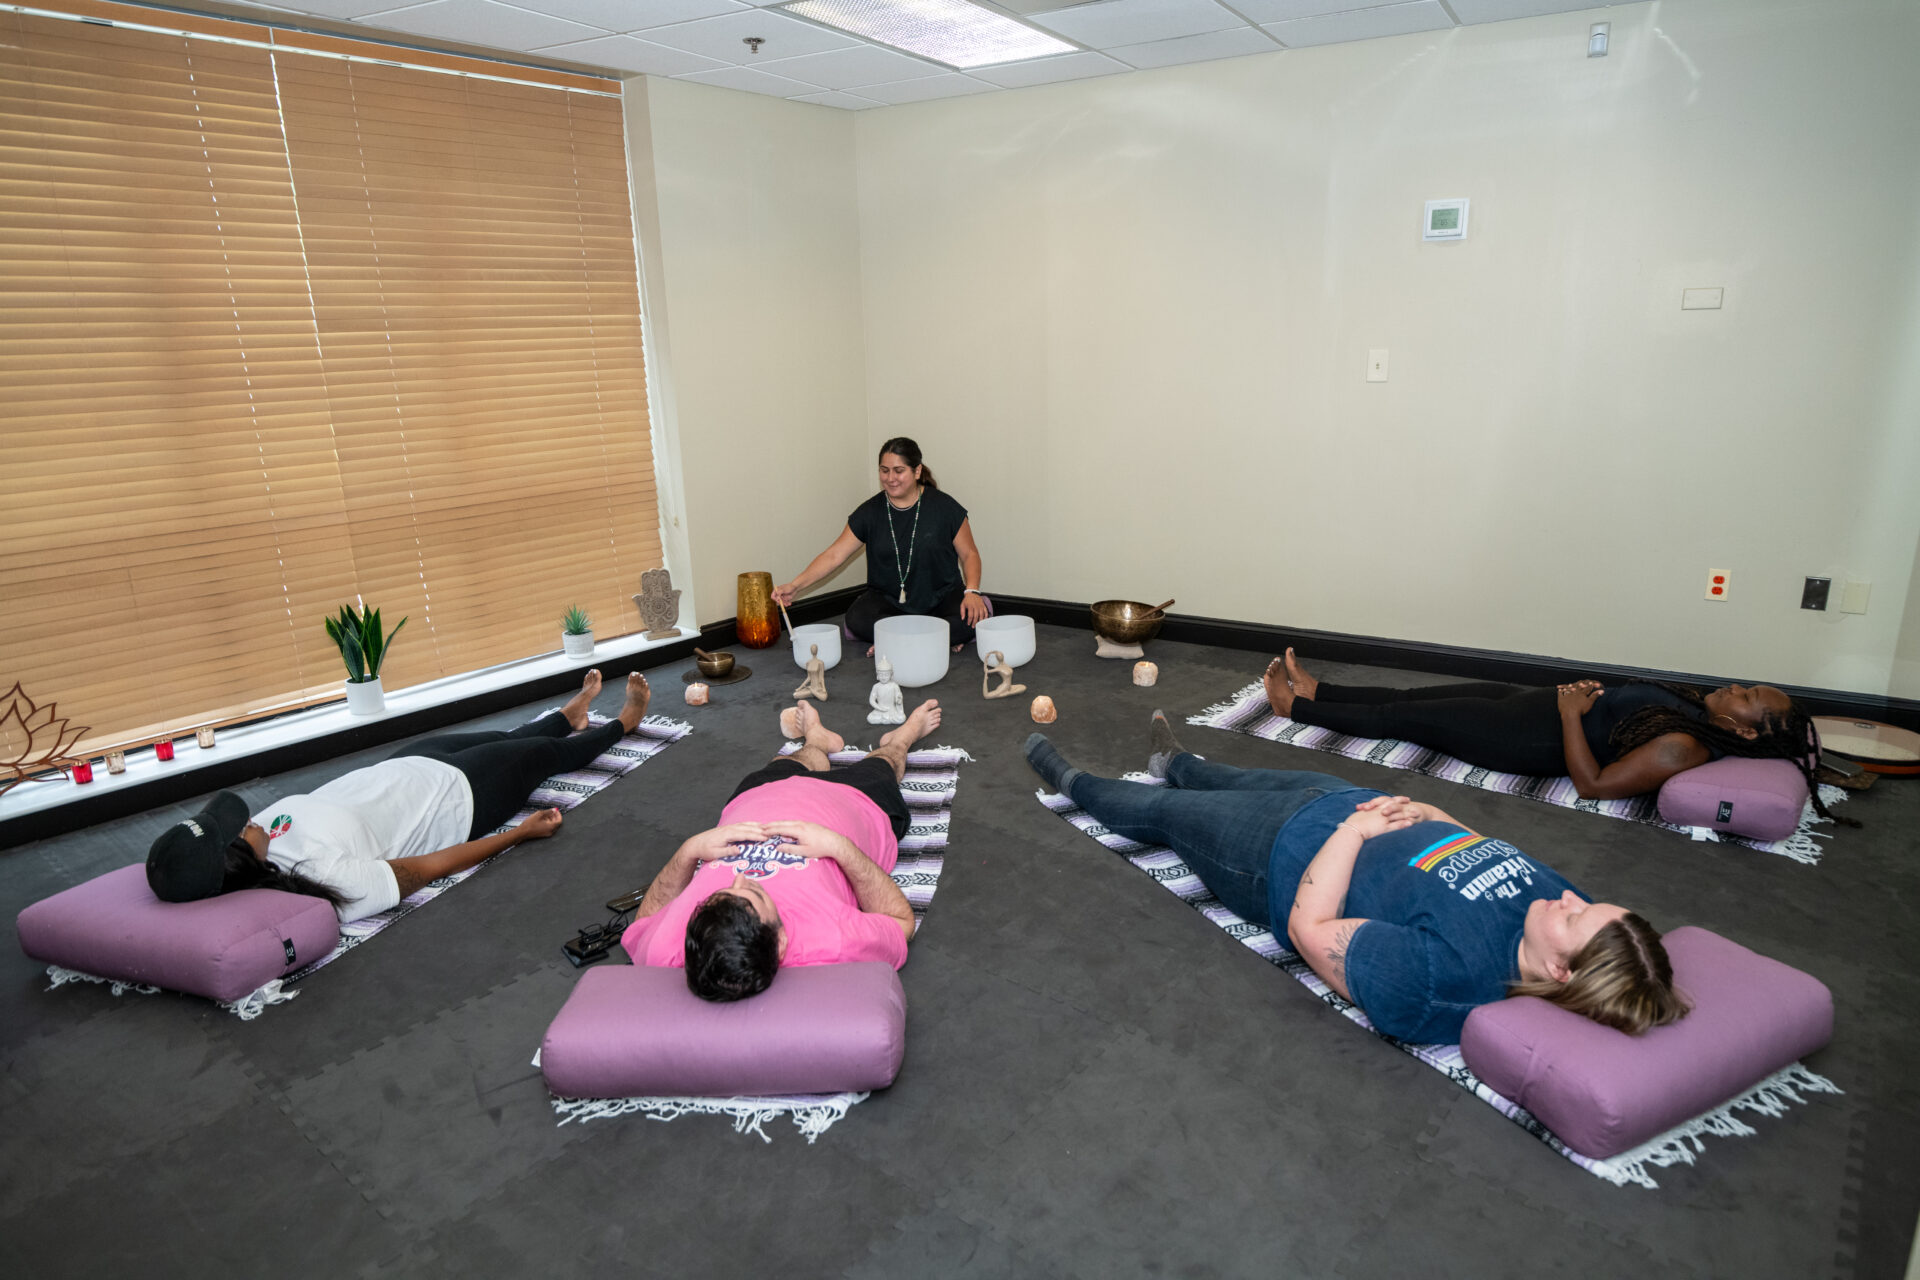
796	873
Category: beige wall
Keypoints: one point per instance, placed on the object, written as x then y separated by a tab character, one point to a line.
749	242
1128	319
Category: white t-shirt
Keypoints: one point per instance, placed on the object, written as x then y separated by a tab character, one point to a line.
344	834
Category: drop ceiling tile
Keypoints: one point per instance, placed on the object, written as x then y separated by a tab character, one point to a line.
848	101
1497	10
1360	24
943	86
1234	43
630	15
627	53
1263	11
752	81
850	68
722	37
482	22
339	8
1066	66
1117	22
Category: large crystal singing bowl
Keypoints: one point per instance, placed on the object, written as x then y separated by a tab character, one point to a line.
917	647
824	634
1012	635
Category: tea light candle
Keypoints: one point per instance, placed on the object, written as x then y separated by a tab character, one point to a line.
1145	673
163	749
83	772
204	737
1043	710
116	762
696	695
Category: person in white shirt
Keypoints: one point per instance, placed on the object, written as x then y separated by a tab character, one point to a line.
369	838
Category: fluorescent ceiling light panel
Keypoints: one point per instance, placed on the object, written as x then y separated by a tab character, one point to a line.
950	31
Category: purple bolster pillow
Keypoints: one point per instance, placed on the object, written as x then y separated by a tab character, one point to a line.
1602	1091
221	948
633	1031
1760	799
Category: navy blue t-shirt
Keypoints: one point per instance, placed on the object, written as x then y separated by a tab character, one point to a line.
1444	906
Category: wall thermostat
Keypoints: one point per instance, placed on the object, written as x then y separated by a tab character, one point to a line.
1445	220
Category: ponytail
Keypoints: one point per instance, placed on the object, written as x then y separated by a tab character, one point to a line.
908	452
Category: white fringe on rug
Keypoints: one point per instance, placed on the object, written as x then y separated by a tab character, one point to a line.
61	977
247	1007
254	1003
1771	1097
812	1115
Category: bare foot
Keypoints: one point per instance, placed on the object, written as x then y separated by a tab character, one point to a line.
582	702
924	720
1304	685
635	709
803	722
1279	692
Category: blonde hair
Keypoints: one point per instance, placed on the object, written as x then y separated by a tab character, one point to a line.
1621	979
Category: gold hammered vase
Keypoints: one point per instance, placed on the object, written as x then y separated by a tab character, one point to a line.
758	620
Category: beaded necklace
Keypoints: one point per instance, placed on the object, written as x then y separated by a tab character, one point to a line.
907	567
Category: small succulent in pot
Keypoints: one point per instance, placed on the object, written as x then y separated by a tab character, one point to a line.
575	621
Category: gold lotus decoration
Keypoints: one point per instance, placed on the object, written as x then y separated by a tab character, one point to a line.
33	739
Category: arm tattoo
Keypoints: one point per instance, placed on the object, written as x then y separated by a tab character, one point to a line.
1337	953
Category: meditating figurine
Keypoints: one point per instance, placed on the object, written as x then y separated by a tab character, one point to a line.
996	665
659	604
815	685
889	707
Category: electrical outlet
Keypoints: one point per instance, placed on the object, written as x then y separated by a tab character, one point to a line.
1719	582
1814	594
1377	364
1853	596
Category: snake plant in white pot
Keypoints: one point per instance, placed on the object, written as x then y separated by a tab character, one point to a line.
363	648
576	632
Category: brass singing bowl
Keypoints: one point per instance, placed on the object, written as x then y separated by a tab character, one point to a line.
714	664
1127	621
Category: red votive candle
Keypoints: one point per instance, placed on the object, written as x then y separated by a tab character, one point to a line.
163	749
83	772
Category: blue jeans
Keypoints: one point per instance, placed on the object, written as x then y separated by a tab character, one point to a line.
1221	820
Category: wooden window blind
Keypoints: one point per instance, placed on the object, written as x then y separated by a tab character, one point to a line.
278	330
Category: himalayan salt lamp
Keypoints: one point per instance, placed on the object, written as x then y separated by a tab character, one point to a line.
696	694
1043	712
1145	673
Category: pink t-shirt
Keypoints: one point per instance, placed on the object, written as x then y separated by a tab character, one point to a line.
817	906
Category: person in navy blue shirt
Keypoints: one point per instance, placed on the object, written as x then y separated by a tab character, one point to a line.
1411	915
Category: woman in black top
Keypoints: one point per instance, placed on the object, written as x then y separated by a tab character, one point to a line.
1616	742
920	553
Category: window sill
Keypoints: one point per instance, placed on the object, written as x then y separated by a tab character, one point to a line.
240	742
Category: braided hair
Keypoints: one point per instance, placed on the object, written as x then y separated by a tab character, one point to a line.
1781	737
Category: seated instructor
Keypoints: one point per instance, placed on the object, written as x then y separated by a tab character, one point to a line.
797	872
1396	906
920	553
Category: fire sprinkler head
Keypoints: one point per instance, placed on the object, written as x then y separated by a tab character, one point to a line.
753	43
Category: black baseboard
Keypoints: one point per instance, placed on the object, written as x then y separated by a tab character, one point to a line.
1329	646
108	805
1453	660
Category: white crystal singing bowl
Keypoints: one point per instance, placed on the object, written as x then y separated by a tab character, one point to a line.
824	634
917	647
1012	635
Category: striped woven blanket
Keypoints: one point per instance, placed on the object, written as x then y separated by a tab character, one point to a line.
562	791
1247	712
1677	1146
929	786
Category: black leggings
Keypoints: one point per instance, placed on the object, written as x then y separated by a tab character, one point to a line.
875	604
504	766
871	777
1495	726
